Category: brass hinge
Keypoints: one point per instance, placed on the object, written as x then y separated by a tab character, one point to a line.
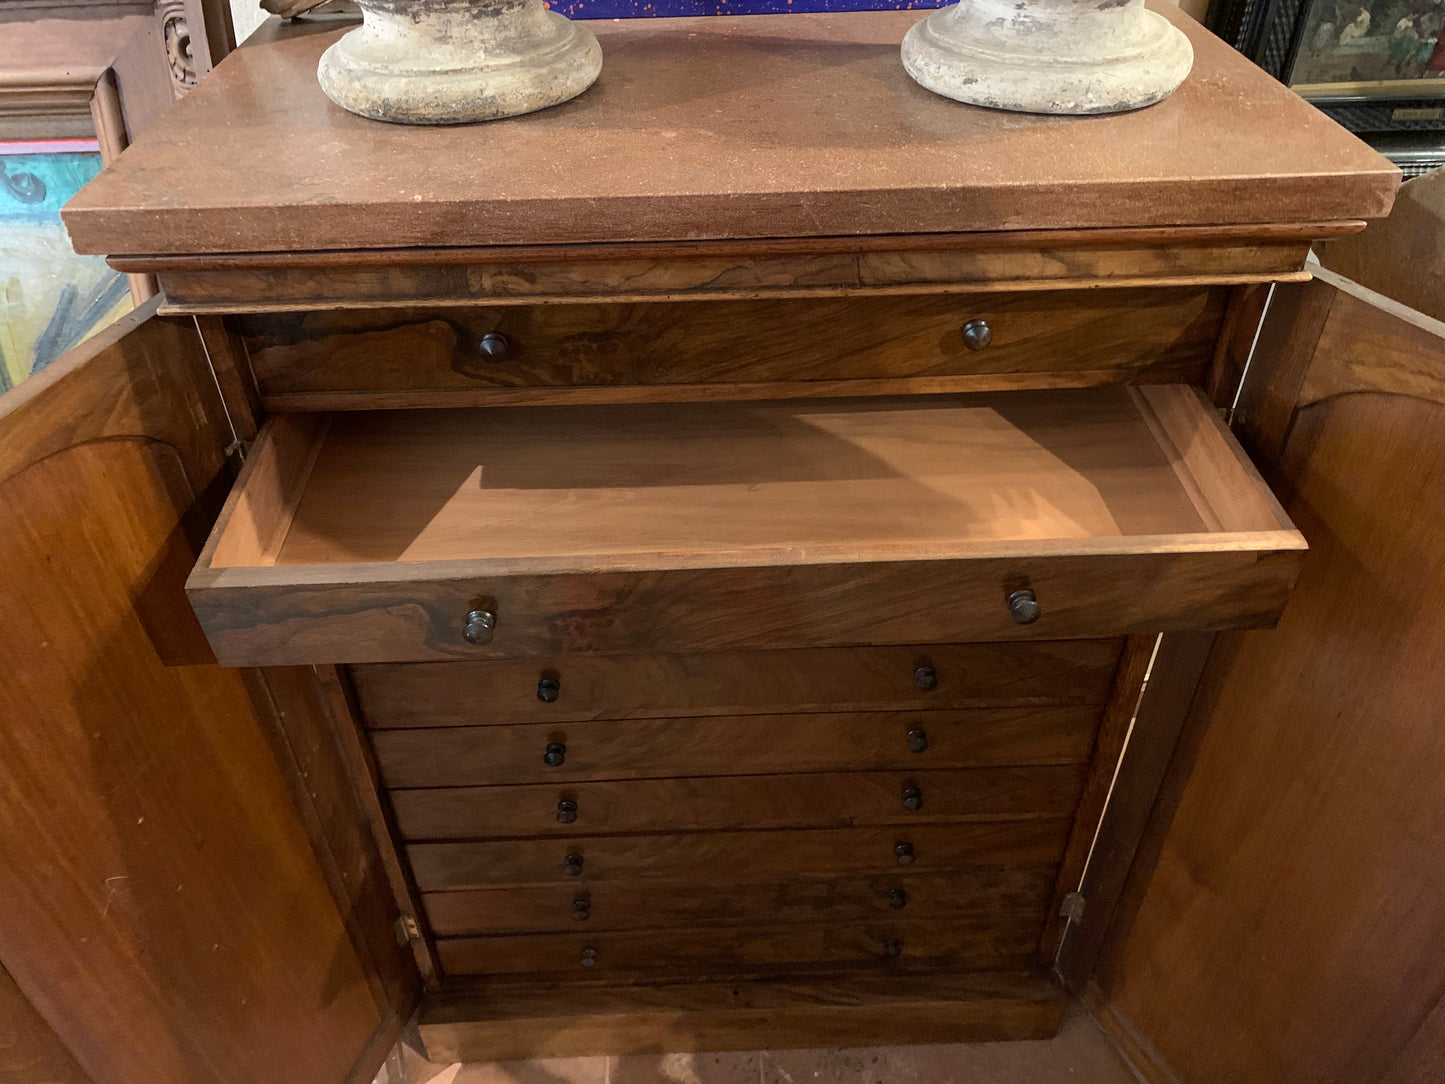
407	930
1073	908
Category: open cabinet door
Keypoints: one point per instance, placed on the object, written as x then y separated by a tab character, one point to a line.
1283	923
166	907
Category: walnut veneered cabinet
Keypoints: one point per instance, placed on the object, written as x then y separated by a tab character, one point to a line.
676	571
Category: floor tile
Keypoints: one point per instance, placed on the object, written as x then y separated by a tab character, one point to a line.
851	1065
535	1071
737	1067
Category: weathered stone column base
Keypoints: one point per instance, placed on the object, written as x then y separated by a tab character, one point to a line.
455	61
1049	56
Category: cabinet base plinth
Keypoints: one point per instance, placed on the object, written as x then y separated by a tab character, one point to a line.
506	1020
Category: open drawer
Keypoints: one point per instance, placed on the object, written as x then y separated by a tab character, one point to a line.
533	531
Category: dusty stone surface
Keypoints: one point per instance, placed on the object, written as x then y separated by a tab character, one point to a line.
457	61
1049	56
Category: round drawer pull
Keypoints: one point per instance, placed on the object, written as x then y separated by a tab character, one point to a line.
977	334
566	811
897	898
479	626
912	799
589	957
494	346
572	865
581	910
918	741
1023	607
893	947
904	853
926	678
556	755
548	689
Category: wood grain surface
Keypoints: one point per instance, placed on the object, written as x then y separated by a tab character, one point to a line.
733	745
728	857
882	678
318	359
164	909
1283	933
612	529
518	1019
756	126
30	1051
827	267
811	800
1004	941
980	895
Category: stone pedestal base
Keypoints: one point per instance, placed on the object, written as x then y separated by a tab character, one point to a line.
455	61
1049	56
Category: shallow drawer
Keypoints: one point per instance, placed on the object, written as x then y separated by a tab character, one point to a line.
1005	940
703	349
974	897
556	753
819	800
736	682
726	857
516	532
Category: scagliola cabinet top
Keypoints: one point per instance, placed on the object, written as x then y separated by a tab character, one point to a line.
803	131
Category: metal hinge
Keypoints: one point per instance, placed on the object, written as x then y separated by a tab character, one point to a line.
1073	908
407	930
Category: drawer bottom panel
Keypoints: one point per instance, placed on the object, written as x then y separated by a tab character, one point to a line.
973	897
1002	942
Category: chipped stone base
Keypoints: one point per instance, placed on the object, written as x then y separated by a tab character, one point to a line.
456	61
1049	56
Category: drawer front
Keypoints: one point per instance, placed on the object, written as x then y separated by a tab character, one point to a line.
731	745
1007	940
553	353
414	536
252	620
976	897
723	857
821	800
823	679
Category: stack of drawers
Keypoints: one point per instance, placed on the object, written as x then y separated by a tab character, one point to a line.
632	815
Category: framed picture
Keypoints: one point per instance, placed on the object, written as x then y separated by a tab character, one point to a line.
1375	66
1373	47
50	298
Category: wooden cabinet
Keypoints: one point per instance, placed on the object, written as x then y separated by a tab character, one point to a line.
695	598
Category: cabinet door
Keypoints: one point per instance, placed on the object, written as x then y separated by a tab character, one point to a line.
1284	926
163	908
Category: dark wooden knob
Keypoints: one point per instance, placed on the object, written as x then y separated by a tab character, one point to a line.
494	346
556	755
977	334
589	957
918	741
904	853
548	689
893	947
926	678
897	898
1023	607
912	799
581	910
572	865
479	626
566	811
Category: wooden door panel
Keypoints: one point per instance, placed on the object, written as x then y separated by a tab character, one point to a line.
1287	930
163	908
